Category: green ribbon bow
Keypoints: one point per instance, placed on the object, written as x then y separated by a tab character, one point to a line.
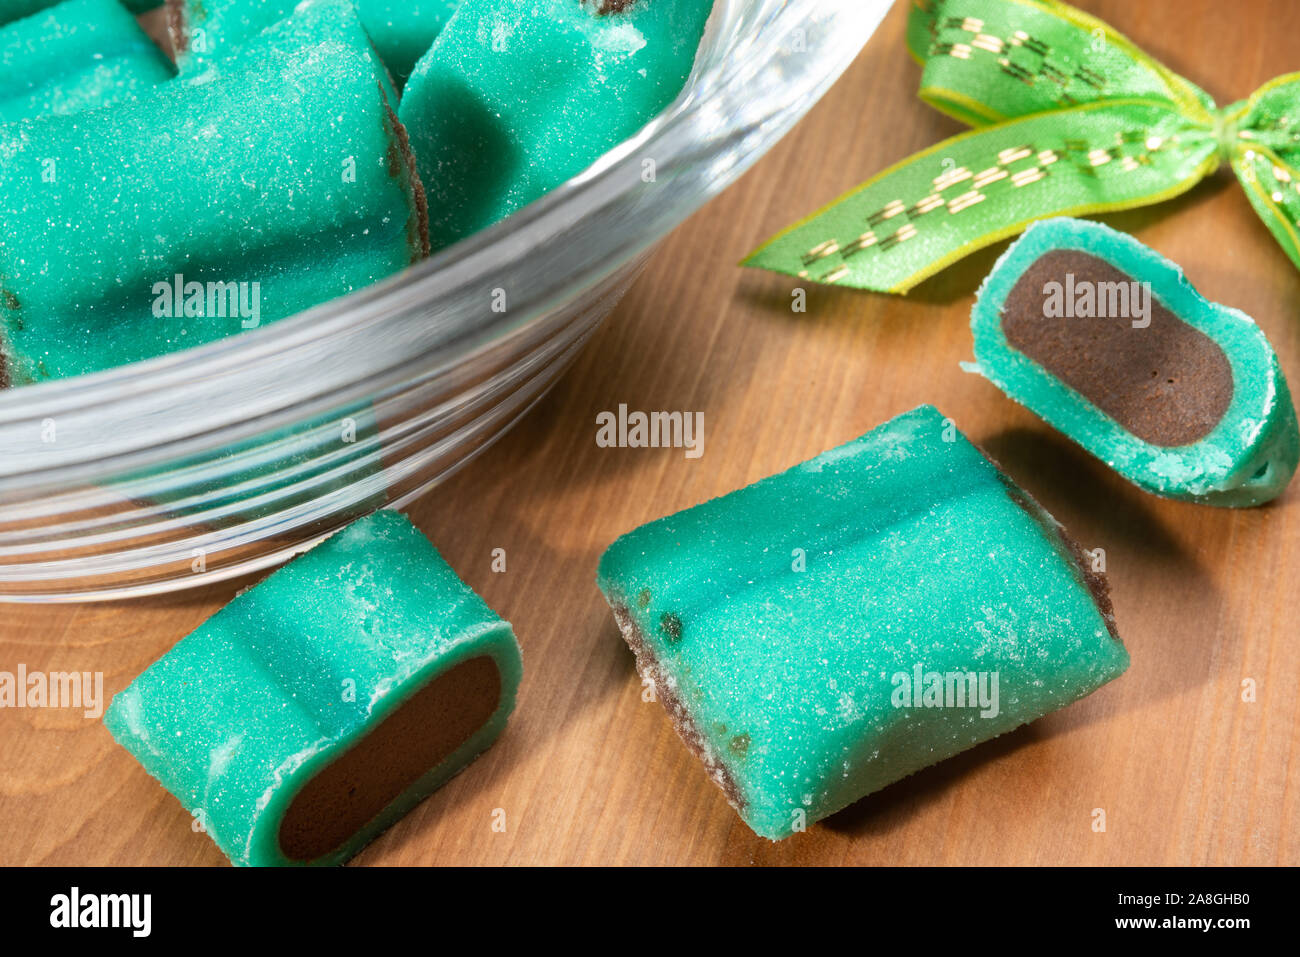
1070	119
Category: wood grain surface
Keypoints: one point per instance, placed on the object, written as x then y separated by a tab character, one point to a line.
1186	771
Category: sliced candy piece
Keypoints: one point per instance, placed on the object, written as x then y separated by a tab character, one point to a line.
321	705
206	30
829	630
200	209
1108	341
517	97
75	56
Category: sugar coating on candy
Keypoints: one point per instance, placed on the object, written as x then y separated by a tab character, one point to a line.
205	207
402	30
1109	342
75	56
214	37
515	98
319	706
780	624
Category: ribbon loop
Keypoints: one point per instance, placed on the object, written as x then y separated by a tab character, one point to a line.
1266	158
986	61
1070	118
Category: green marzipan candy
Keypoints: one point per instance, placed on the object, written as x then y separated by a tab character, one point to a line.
401	30
518	96
17	9
76	56
783	625
286	169
239	718
1239	447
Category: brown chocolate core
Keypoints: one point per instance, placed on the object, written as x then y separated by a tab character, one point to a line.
611	6
1167	383
349	793
177	28
402	158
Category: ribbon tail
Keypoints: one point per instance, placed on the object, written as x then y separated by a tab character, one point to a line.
975	189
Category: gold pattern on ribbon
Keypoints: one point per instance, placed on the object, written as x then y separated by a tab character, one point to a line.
1038	67
958	188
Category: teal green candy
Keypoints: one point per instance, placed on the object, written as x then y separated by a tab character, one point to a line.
518	96
17	9
11	10
76	56
1247	459
241	714
233	36
401	30
287	170
782	625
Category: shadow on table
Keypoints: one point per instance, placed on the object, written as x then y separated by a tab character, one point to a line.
892	806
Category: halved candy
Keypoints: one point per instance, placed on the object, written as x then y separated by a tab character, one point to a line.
829	630
75	56
206	207
324	703
1107	341
515	98
206	30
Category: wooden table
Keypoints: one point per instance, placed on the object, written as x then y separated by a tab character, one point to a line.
1185	770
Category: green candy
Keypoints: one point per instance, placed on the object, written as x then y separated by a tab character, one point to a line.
78	55
17	9
202	208
795	629
518	96
11	10
320	706
1107	341
401	30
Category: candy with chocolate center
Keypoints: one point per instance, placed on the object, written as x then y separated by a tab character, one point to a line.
203	208
1108	342
75	56
324	703
829	630
518	96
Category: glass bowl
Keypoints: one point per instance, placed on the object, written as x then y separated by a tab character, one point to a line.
233	456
